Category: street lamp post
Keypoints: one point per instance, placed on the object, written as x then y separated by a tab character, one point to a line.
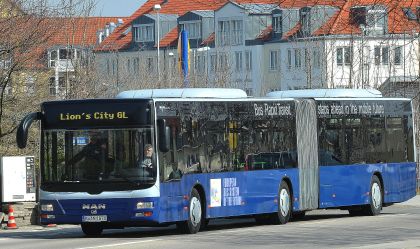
157	7
170	68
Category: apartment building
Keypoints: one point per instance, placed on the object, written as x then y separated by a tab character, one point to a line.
70	48
51	50
261	46
350	47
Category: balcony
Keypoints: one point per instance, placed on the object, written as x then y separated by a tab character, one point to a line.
64	59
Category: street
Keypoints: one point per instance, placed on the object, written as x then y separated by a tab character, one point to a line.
396	227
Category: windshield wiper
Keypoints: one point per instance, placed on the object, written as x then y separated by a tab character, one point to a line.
136	183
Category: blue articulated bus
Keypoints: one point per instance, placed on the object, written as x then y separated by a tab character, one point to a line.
186	156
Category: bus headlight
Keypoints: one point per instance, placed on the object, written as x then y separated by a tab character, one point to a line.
47	207
144	204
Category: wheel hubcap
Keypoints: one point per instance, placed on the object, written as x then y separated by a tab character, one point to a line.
195	211
284	202
376	195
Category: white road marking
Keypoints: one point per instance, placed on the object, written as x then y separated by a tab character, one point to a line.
326	221
120	244
234	230
304	223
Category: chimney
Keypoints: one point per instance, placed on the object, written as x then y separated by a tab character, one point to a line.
112	27
120	22
100	36
107	30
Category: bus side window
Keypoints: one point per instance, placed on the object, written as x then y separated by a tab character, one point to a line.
169	160
287	160
376	150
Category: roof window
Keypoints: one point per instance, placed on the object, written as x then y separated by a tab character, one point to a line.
409	14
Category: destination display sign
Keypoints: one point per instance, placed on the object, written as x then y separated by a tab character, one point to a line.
361	107
98	113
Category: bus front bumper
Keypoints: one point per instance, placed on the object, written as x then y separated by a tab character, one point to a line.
107	211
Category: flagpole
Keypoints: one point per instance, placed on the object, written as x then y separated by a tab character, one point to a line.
157	7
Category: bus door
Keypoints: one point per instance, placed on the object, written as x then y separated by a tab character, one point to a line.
307	147
171	160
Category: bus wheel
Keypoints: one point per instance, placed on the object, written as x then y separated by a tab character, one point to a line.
92	229
375	198
282	216
195	215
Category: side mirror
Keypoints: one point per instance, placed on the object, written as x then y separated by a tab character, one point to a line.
22	131
164	135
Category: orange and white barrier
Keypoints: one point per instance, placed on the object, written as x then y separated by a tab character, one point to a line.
11	223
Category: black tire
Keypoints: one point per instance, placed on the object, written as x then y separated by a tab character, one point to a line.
284	212
265	219
195	215
375	198
204	223
92	229
356	212
298	215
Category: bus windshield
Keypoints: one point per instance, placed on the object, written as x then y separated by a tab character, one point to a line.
99	156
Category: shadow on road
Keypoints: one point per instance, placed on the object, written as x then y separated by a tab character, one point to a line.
152	232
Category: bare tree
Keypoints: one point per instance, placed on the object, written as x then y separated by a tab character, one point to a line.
27	29
22	35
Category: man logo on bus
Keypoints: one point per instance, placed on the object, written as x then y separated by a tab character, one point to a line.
93	206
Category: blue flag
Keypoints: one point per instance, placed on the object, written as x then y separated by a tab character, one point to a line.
183	52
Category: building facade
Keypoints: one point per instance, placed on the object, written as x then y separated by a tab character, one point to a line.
266	46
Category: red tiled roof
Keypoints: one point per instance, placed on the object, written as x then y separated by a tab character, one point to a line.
305	3
265	34
170	39
292	32
397	21
50	32
120	41
79	31
181	7
324	29
339	23
209	40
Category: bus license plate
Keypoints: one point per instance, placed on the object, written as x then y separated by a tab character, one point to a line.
94	218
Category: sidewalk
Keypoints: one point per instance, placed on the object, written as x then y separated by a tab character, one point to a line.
415	201
34	228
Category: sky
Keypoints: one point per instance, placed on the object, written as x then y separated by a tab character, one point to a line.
116	7
108	8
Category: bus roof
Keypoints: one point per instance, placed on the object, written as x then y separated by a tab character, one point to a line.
326	93
222	93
